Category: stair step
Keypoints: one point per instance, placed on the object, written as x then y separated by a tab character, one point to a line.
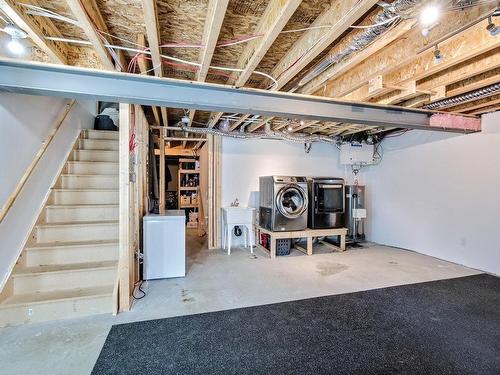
89	181
71	252
95	155
100	134
70	232
61	304
84	196
58	277
81	213
92	167
99	144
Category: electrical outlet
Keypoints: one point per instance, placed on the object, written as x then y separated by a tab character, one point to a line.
30	311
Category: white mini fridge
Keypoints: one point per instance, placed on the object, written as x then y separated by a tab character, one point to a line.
164	245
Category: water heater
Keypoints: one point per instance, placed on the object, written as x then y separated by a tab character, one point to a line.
355	212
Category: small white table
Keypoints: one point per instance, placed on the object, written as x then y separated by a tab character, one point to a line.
241	217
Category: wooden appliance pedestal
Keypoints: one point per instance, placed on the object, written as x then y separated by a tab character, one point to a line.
308	233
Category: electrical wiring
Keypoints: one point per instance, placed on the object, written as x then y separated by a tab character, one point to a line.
138	286
197	65
35	10
238	41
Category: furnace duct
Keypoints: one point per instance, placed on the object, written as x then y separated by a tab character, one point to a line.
383	22
268	133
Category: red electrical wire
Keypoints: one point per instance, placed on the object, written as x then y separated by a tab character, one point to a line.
131	143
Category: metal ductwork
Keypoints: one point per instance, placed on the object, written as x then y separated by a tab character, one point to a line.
268	134
465	98
383	22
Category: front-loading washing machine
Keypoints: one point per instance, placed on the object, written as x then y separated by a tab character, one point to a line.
283	203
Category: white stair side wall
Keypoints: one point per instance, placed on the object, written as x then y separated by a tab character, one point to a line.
19	113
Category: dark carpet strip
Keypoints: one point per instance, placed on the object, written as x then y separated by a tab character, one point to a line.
441	327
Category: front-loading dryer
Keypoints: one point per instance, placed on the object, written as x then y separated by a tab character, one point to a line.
283	203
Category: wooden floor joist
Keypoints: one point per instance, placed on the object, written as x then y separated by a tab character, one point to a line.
404	52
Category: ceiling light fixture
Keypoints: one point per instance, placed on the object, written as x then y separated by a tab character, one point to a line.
429	15
290	128
302	122
15	44
224	125
493	29
438	56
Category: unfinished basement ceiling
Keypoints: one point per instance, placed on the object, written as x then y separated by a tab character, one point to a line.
398	67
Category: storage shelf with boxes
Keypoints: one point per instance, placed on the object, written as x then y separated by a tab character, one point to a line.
189	180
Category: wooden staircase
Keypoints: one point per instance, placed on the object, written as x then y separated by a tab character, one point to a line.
68	267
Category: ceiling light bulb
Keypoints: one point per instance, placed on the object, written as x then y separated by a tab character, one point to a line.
15	46
438	56
290	128
301	122
429	15
224	125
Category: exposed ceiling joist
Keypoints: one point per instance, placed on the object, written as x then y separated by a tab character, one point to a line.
303	126
399	54
325	127
214	119
489	109
341	15
211	30
213	23
78	83
164	116
478	104
242	119
198	145
275	17
464	48
481	64
151	22
36	28
474	85
342	67
89	27
143	68
259	124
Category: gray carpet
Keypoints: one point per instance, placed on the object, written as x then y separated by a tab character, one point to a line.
440	327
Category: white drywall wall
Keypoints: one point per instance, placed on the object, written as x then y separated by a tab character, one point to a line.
243	161
25	122
439	194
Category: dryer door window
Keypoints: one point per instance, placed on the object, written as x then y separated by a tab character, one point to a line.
291	201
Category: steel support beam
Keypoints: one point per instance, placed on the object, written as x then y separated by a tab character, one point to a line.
81	83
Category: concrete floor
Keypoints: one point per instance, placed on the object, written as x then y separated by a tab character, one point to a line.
216	281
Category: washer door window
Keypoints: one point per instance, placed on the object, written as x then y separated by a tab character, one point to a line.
291	201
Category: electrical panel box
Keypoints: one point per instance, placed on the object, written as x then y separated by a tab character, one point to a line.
356	153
